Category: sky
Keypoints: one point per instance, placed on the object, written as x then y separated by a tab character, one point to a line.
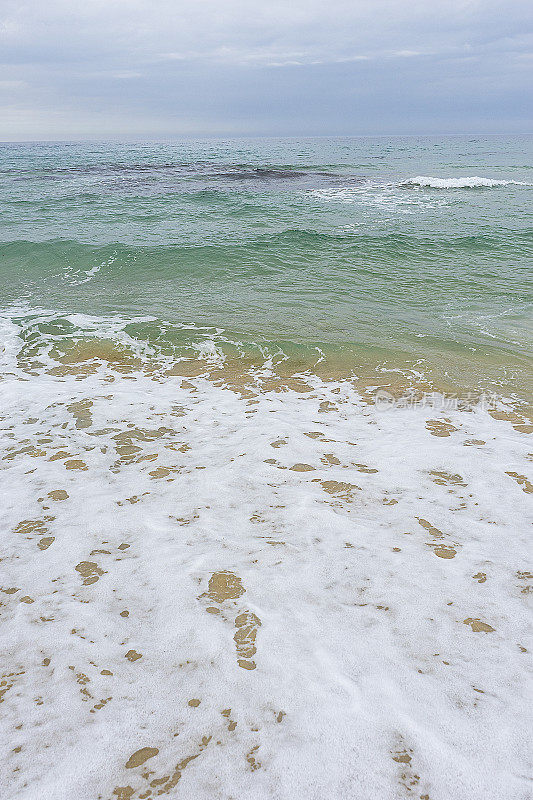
100	69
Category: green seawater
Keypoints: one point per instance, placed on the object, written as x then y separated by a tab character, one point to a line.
398	253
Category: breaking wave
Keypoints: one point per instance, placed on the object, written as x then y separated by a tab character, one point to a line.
474	182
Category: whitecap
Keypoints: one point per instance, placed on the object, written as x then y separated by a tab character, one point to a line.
473	182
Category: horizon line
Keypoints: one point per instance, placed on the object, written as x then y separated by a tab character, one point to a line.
189	136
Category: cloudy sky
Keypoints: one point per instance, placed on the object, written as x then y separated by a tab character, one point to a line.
158	68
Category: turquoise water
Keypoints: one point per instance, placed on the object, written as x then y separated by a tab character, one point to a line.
302	248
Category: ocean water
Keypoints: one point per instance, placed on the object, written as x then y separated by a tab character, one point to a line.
337	250
266	468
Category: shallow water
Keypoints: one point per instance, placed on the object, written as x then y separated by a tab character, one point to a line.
249	547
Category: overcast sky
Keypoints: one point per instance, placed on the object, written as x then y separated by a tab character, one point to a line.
140	68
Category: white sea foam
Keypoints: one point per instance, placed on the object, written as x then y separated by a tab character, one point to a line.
377	194
390	197
473	182
372	636
90	273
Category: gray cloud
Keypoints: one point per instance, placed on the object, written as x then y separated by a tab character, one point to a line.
132	67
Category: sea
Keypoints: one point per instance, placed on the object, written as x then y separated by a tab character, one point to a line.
266	468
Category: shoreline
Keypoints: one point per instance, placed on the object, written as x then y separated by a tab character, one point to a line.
250	565
266	470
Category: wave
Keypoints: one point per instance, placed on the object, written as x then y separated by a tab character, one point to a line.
23	253
474	182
